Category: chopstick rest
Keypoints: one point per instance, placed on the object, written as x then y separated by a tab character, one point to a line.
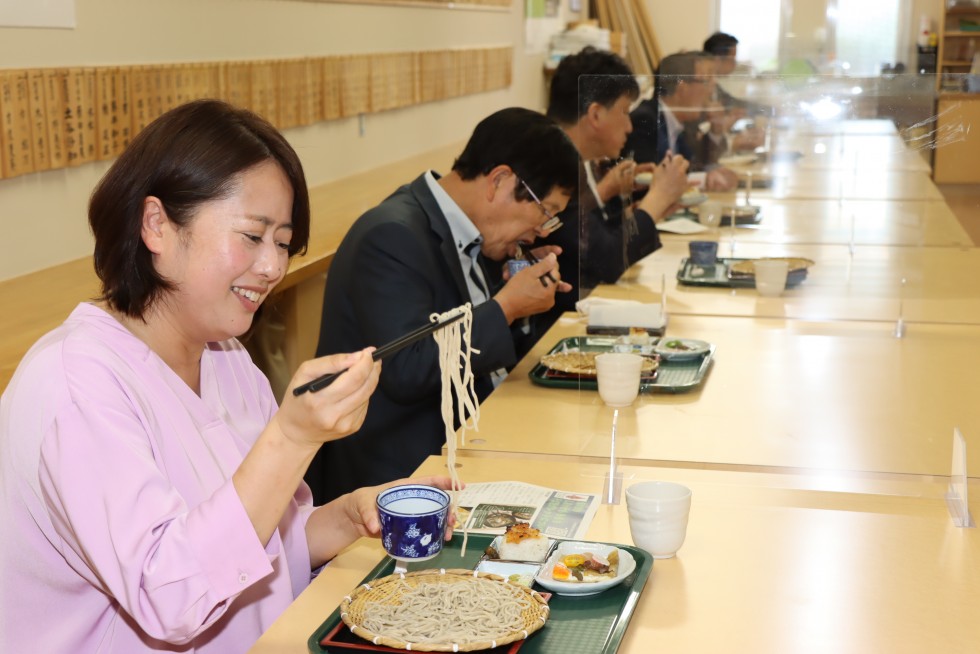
390	348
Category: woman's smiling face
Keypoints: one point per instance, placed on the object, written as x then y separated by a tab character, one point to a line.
230	256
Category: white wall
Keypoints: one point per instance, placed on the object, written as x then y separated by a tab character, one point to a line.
684	27
681	26
44	214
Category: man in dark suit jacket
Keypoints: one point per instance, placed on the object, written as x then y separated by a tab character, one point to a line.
590	96
427	249
723	49
669	121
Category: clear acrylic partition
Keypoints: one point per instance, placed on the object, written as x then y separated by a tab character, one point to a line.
957	493
840	173
836	167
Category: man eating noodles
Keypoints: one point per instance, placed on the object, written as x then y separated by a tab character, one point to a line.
430	248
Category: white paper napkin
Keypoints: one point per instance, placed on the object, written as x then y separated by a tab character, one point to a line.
681	226
621	313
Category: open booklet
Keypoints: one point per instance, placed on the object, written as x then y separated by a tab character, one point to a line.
490	508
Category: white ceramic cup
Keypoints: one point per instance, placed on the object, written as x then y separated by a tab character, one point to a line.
770	276
618	375
658	514
709	213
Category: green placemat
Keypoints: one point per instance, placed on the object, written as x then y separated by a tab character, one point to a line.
594	623
672	376
716	275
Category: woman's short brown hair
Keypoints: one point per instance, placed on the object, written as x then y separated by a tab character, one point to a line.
190	155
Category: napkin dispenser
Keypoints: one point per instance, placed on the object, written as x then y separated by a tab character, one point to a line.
617	319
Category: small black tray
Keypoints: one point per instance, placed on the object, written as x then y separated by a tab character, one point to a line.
672	376
717	275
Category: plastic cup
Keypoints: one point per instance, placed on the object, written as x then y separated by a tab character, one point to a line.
703	253
618	375
658	515
413	521
709	213
770	276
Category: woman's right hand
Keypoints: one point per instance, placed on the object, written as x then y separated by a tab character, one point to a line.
336	411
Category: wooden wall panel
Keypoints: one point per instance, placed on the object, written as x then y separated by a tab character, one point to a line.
59	117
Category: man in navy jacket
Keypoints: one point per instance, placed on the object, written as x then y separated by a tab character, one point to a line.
430	247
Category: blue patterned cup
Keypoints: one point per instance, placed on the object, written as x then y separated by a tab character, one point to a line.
413	521
703	253
515	266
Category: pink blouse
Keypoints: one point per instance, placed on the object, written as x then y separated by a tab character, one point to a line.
121	529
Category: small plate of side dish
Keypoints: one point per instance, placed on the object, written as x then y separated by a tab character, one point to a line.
677	349
521	542
512	571
580	568
744	215
692	196
738	159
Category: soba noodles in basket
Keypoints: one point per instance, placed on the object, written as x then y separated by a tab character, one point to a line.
443	610
448	613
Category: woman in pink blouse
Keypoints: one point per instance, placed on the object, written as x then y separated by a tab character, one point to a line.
151	490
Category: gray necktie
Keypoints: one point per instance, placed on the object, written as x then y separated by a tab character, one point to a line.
476	271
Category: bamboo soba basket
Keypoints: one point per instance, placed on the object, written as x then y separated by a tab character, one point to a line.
388	590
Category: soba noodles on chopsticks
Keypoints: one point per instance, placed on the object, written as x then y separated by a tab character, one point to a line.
455	351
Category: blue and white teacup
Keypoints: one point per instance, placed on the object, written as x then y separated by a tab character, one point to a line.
515	266
413	521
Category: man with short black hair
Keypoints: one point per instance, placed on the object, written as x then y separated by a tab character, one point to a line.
723	48
590	97
426	249
669	121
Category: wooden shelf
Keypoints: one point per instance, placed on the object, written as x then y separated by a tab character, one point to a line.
963	11
952	44
957	161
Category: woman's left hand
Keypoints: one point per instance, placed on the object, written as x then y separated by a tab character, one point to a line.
361	506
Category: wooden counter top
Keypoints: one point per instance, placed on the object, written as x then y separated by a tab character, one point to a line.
766	567
859	283
781	395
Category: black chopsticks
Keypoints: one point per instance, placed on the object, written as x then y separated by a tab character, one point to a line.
322	382
525	253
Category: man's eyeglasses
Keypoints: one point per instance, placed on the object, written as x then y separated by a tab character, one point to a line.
553	222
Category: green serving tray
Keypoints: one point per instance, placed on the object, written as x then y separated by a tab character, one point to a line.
672	376
592	623
716	275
